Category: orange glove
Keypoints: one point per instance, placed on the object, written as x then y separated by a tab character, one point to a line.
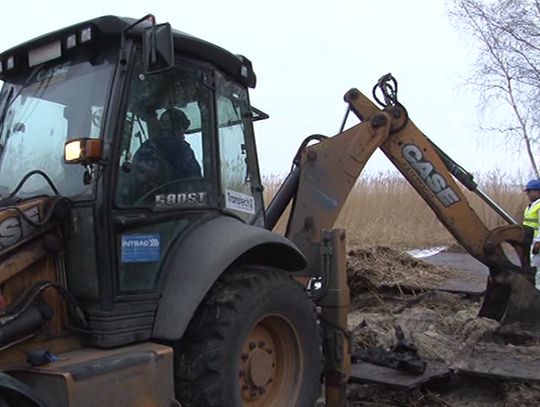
536	248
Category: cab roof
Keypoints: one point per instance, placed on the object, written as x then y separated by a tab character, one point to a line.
109	28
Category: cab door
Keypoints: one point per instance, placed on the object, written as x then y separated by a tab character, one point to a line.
153	204
241	189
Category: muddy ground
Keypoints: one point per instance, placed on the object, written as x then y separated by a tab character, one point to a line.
389	288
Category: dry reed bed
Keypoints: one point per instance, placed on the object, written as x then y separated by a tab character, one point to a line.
385	210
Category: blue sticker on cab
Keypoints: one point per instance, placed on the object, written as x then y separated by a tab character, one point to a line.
138	248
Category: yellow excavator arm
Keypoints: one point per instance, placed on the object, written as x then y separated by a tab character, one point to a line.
325	173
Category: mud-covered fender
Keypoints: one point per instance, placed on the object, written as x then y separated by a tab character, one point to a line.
202	256
14	392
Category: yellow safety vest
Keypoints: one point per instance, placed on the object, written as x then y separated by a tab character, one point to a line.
530	216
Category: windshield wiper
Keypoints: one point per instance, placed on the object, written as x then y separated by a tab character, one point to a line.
11	98
3	115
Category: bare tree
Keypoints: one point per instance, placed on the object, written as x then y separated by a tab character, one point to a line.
508	66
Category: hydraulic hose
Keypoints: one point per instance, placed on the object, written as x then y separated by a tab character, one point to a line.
285	194
29	321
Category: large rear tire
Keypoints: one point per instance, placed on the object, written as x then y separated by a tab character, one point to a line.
253	342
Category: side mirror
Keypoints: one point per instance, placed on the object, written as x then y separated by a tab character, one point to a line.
85	151
158	48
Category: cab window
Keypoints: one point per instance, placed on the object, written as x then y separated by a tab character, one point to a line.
163	161
237	175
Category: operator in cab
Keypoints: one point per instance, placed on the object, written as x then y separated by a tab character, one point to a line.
531	218
166	156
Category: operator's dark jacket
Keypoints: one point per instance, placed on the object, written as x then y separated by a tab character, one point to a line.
163	159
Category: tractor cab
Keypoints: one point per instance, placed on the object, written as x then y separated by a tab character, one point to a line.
148	132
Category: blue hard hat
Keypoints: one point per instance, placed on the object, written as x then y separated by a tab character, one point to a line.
533	184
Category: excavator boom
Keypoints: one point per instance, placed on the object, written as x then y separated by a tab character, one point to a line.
329	169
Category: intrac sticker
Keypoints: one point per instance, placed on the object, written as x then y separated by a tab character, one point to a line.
138	248
239	202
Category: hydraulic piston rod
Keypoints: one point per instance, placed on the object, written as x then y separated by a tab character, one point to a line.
467	179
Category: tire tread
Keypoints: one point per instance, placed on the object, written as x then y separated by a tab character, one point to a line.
198	355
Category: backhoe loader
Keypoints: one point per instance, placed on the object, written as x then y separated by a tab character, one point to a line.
124	283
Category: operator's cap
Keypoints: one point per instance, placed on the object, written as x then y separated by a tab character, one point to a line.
533	185
175	120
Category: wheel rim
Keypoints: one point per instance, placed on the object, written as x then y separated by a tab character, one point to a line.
271	364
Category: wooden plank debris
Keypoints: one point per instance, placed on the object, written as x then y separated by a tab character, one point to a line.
501	365
364	372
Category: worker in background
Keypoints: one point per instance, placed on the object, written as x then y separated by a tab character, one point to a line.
531	218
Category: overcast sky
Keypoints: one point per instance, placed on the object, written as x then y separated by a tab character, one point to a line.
307	54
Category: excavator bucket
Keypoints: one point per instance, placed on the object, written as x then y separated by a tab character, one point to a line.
523	304
511	298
